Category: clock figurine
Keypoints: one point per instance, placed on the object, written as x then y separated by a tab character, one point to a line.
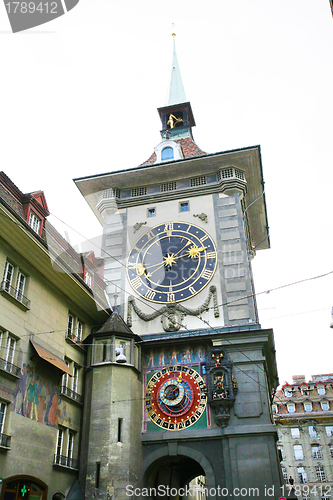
171	262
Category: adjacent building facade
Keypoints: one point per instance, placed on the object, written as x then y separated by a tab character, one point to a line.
50	298
303	414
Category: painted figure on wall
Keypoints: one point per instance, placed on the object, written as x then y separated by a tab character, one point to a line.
163	357
38	399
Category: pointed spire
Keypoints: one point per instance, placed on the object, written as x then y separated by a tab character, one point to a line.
176	92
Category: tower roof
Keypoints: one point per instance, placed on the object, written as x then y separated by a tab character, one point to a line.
176	90
116	324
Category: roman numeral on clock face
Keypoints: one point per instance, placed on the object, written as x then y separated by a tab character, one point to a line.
206	275
168	228
136	282
150	294
211	255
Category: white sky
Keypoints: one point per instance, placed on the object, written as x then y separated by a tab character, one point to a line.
79	97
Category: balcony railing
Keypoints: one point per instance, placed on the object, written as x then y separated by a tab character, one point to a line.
14	292
66	462
10	368
5	440
71	394
75	339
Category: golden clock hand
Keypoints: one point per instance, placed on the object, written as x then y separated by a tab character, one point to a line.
191	252
171	258
139	267
187	244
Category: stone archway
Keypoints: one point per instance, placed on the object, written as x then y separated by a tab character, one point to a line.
175	466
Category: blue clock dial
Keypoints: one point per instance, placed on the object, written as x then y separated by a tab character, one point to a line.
171	262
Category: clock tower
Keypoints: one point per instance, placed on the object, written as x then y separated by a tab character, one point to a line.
179	233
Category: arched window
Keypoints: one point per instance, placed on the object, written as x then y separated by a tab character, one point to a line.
167	154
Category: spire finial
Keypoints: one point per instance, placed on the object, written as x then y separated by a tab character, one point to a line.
176	92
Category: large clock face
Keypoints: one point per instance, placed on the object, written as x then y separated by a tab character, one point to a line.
171	262
175	397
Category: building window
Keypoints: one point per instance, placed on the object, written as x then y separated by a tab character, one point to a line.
274	408
75	378
70	326
10	274
88	278
302	475
295	432
70	446
167	154
20	284
298	452
305	392
288	393
312	431
325	406
184	206
7	277
34	222
285	474
329	430
74	328
64	381
3	408
321	390
281	453
59	446
79	332
330	447
307	407
151	212
69	387
291	408
320	473
316	451
9	354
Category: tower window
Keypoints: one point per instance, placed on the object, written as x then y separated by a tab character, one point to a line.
151	212
120	430
168	186
98	474
184	206
167	154
198	181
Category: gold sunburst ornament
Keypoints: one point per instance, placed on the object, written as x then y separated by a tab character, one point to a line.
169	260
194	251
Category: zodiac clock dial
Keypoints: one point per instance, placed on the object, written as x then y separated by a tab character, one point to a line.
171	262
175	398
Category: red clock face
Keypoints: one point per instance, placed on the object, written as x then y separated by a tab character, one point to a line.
174	397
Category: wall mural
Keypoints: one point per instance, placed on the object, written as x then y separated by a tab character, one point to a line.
39	399
161	357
